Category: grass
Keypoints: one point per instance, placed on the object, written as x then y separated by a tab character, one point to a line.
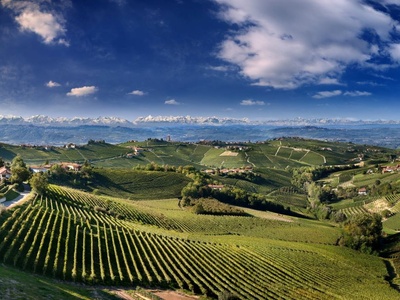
392	223
15	284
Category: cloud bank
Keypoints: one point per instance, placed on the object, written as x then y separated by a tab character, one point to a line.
291	43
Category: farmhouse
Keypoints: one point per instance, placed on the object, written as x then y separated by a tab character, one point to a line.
138	150
362	191
5	173
38	169
216	186
70	146
71	166
390	169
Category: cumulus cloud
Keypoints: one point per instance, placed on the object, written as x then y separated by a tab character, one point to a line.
52	84
287	44
82	91
30	17
327	94
357	93
171	102
137	93
250	102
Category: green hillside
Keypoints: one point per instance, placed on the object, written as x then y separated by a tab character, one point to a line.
129	183
79	237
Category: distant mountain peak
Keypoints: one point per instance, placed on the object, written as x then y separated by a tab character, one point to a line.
42	120
190	120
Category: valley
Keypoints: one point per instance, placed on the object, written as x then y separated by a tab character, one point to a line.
139	214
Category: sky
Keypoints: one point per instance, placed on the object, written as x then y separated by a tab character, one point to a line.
259	59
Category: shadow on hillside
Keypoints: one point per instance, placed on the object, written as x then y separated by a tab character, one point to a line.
6	154
102	181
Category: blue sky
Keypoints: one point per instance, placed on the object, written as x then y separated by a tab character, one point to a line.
260	59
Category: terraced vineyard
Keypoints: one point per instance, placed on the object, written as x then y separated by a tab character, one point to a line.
80	237
393	199
349	211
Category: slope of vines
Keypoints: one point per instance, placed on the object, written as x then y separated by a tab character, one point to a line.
62	236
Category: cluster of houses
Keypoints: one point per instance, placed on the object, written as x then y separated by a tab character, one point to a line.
136	151
5	172
390	169
68	166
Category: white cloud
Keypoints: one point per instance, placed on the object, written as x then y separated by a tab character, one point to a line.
52	84
357	93
287	44
82	91
48	25
137	93
329	80
171	102
327	94
250	102
371	83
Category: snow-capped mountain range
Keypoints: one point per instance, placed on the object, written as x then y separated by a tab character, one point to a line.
40	120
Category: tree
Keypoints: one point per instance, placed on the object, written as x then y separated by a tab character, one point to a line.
19	171
39	183
363	232
18	162
1	162
57	171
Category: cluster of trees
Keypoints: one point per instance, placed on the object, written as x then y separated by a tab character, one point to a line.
57	174
230	195
302	176
93	142
20	173
166	168
362	232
